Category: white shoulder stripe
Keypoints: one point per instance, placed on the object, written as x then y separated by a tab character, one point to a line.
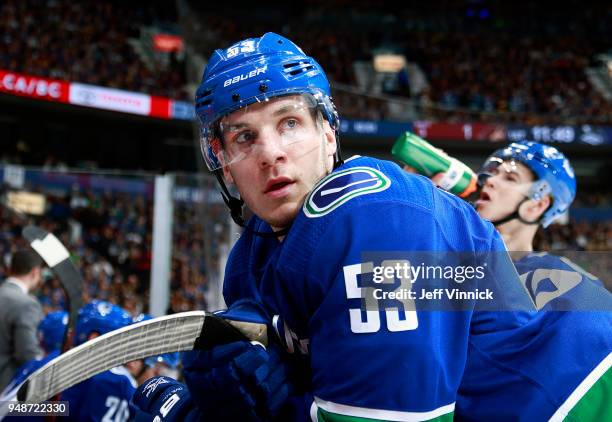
387	415
582	389
352	157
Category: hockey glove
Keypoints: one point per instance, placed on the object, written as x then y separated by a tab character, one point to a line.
164	399
238	381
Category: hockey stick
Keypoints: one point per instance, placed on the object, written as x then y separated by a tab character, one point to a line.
57	257
195	330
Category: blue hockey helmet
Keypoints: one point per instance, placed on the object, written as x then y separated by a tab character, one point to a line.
101	317
52	329
256	70
553	171
142	317
171	360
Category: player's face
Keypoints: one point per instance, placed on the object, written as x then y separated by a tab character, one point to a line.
283	148
503	191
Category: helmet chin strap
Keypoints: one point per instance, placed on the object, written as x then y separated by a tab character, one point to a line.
338	161
516	215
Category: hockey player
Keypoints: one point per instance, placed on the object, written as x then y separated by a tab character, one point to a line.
51	331
104	396
522	186
270	130
558	364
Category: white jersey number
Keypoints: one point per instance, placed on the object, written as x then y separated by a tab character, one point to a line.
118	410
397	319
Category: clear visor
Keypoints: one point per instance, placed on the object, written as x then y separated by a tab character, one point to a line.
268	125
507	173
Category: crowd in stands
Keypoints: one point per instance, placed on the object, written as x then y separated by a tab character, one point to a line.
109	236
192	268
575	236
481	64
593	200
86	41
482	60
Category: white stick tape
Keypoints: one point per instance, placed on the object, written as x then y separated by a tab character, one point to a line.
50	249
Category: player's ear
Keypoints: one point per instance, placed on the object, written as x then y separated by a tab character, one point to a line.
330	139
35	274
227	175
539	207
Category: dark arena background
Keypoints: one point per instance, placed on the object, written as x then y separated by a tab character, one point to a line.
98	132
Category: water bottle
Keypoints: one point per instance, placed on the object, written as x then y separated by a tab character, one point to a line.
428	160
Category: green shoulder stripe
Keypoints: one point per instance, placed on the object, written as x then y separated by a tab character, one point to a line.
592	399
323	411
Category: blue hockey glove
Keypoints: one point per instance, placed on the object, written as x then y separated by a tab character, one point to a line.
237	382
164	399
241	380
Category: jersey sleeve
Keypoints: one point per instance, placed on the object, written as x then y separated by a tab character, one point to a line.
556	364
556	283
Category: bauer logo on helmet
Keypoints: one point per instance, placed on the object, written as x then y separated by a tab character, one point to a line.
245	76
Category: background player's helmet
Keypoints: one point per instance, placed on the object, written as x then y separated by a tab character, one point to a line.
255	70
553	171
142	317
101	317
51	330
171	360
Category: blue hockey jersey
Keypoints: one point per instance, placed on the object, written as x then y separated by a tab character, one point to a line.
10	391
555	366
371	359
103	397
24	371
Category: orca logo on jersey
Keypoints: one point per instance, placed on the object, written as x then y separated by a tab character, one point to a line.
342	186
548	284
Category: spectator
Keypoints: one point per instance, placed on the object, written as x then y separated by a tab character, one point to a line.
20	314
